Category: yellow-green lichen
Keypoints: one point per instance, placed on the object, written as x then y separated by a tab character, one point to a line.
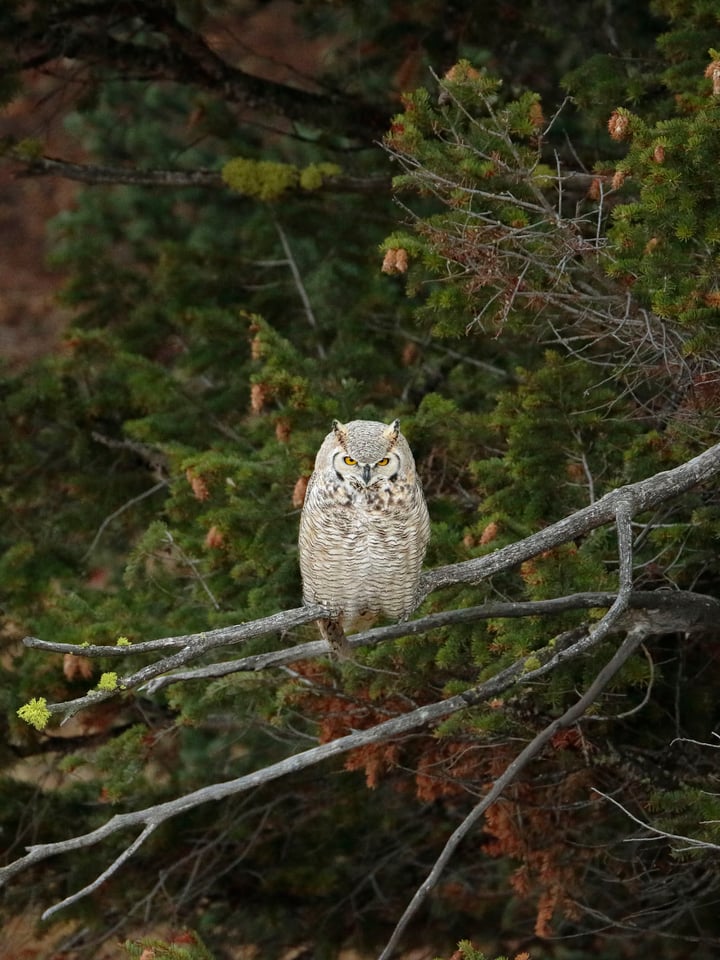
262	179
314	176
267	180
532	663
108	682
122	642
35	713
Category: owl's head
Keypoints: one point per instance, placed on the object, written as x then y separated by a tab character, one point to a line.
363	453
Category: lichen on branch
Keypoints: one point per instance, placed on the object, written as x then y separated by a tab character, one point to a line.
268	180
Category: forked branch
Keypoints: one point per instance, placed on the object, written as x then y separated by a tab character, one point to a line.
624	513
424	716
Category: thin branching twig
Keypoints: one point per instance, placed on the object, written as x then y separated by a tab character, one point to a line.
656	833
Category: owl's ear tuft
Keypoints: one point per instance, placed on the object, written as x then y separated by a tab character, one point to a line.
340	432
391	432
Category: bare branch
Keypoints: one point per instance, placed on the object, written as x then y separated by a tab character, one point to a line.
644	495
116	513
659	612
107	39
198	642
302	292
105	875
641	496
93	175
536	745
168	537
639	706
194	645
698	743
660	834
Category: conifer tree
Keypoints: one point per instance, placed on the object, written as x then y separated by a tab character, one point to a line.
535	296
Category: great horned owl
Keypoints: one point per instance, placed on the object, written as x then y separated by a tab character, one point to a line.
364	528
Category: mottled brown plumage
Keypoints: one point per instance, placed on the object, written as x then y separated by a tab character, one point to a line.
364	528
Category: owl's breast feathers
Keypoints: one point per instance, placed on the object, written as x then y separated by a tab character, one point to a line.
368	546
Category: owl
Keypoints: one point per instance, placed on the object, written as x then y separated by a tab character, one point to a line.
364	528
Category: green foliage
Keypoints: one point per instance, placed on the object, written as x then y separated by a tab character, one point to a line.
497	242
667	238
467	951
186	946
122	764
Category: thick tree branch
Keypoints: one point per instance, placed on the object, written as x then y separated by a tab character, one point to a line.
658	612
196	643
645	494
160	812
665	611
95	175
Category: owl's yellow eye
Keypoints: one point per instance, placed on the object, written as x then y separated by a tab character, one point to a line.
349	461
383	463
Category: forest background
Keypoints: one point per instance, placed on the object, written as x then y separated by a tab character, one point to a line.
498	221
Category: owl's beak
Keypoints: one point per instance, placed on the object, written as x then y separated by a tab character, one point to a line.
366	474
